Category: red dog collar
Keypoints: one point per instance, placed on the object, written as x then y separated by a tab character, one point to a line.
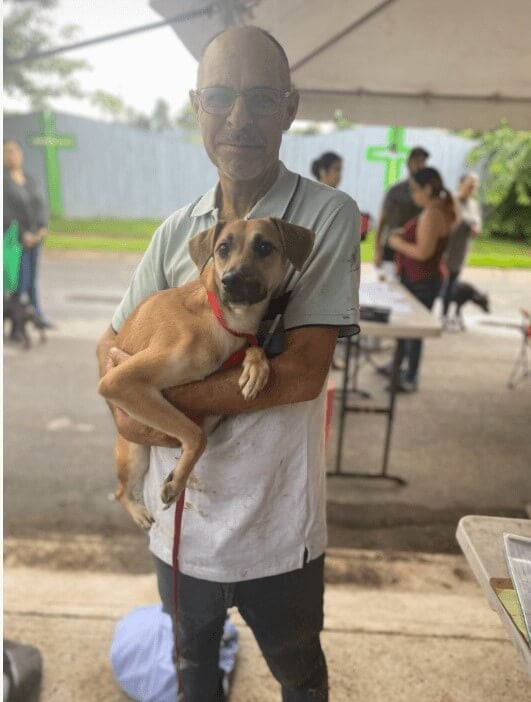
214	305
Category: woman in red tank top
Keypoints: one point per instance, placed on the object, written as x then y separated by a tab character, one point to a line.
419	247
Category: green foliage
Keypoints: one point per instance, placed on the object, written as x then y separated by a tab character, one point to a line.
28	29
107	103
506	190
342	122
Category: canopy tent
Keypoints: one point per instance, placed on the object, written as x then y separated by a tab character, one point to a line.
452	63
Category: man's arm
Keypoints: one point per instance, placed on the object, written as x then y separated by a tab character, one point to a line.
296	375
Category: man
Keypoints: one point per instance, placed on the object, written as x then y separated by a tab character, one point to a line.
398	208
254	532
467	228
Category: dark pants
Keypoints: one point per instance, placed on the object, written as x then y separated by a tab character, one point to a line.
284	612
410	350
27	283
448	290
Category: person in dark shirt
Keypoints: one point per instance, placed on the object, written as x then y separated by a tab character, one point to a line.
398	208
23	204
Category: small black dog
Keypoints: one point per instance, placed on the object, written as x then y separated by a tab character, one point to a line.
20	313
463	293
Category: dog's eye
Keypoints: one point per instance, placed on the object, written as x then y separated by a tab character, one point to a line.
223	250
263	248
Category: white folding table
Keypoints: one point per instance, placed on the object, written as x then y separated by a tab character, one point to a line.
409	319
481	540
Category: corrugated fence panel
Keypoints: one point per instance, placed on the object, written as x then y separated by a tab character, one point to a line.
124	172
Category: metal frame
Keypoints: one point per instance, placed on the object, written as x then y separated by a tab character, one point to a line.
345	408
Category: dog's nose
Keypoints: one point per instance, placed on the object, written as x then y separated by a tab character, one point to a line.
232	280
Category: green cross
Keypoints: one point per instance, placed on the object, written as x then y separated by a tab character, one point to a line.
394	155
52	142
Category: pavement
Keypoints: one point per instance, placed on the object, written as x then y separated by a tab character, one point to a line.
418	629
404	619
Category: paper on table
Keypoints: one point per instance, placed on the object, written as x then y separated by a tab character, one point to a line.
506	594
518	557
381	294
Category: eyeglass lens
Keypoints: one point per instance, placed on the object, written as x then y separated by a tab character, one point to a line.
259	101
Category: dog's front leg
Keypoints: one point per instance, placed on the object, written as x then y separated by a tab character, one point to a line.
255	372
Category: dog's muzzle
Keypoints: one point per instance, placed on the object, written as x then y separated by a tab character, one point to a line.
239	288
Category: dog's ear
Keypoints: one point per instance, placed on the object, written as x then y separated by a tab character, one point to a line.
201	246
298	241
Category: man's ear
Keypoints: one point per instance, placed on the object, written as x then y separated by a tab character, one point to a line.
298	241
201	246
292	105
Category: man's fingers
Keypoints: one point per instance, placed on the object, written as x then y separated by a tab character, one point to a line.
118	356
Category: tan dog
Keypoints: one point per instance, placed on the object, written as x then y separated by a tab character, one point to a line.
175	338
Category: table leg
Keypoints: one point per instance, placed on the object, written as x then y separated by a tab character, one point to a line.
343	408
389	411
395	375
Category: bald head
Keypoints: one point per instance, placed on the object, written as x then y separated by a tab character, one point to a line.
249	47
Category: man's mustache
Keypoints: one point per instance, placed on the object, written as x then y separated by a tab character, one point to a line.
241	137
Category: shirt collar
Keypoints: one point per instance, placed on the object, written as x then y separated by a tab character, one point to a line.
272	204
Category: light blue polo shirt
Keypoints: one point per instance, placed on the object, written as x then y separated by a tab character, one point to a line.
258	495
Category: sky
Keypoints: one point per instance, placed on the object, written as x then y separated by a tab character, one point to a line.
139	69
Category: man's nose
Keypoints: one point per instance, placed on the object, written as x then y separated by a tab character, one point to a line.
239	116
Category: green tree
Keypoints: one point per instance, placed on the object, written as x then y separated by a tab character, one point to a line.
160	117
342	122
506	189
28	29
108	104
185	119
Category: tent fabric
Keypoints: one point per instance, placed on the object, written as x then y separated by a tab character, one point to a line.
450	64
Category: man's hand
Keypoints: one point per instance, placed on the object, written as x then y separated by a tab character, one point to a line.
30	240
378	256
392	240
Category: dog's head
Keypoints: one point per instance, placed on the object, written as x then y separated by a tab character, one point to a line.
250	256
481	300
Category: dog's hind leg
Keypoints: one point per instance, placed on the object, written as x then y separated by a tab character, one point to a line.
459	318
133	387
132	463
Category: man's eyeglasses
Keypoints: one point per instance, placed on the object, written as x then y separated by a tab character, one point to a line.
260	102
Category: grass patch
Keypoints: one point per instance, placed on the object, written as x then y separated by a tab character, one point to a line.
485	253
134	235
105	227
82	242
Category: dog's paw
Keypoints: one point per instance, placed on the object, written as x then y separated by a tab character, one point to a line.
171	490
141	516
255	373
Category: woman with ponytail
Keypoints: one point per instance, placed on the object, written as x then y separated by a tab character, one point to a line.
419	248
